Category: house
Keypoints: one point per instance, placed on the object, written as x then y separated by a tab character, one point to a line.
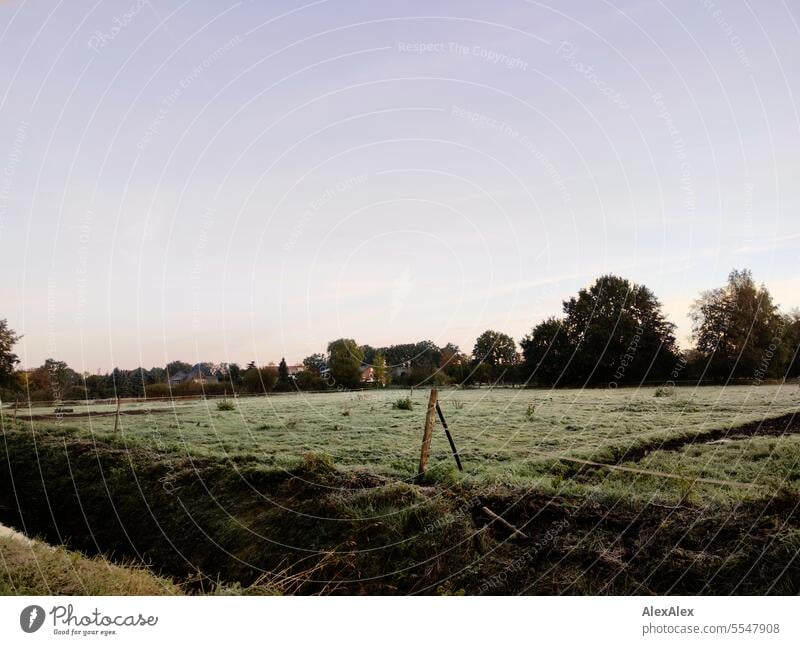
178	378
294	370
202	373
367	374
401	370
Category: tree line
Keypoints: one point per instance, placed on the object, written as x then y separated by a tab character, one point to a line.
612	333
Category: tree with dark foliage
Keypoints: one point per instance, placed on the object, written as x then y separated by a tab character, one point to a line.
344	360
315	363
283	375
493	356
546	352
614	332
8	359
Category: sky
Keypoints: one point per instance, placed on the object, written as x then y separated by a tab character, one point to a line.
233	181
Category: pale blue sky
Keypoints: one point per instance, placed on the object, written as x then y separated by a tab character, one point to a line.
235	181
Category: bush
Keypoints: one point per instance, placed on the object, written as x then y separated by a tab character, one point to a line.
260	381
306	380
664	390
225	405
158	390
188	389
402	404
441	473
318	467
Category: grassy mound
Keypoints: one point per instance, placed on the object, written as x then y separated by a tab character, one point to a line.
31	568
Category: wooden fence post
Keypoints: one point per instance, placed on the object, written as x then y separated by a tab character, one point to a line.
116	419
430	419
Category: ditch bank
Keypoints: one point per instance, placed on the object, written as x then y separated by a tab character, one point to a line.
771	427
316	529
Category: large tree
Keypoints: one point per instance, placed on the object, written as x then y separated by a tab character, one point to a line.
369	354
177	366
792	344
344	361
234	374
620	332
400	354
8	359
735	327
495	348
454	363
493	356
315	363
614	331
424	352
546	352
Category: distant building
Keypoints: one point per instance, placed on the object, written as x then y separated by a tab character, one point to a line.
178	378
401	370
200	373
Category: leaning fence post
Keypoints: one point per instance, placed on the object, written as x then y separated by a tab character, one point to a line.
449	436
430	418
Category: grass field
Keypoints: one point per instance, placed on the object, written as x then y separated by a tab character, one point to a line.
616	491
510	436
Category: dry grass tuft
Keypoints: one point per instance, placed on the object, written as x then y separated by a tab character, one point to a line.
34	568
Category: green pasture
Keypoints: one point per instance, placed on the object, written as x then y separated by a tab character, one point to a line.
504	435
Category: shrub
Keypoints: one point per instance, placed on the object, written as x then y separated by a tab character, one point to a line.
225	405
402	404
158	390
317	467
664	390
441	473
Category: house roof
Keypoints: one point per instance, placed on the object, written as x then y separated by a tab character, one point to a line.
202	370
